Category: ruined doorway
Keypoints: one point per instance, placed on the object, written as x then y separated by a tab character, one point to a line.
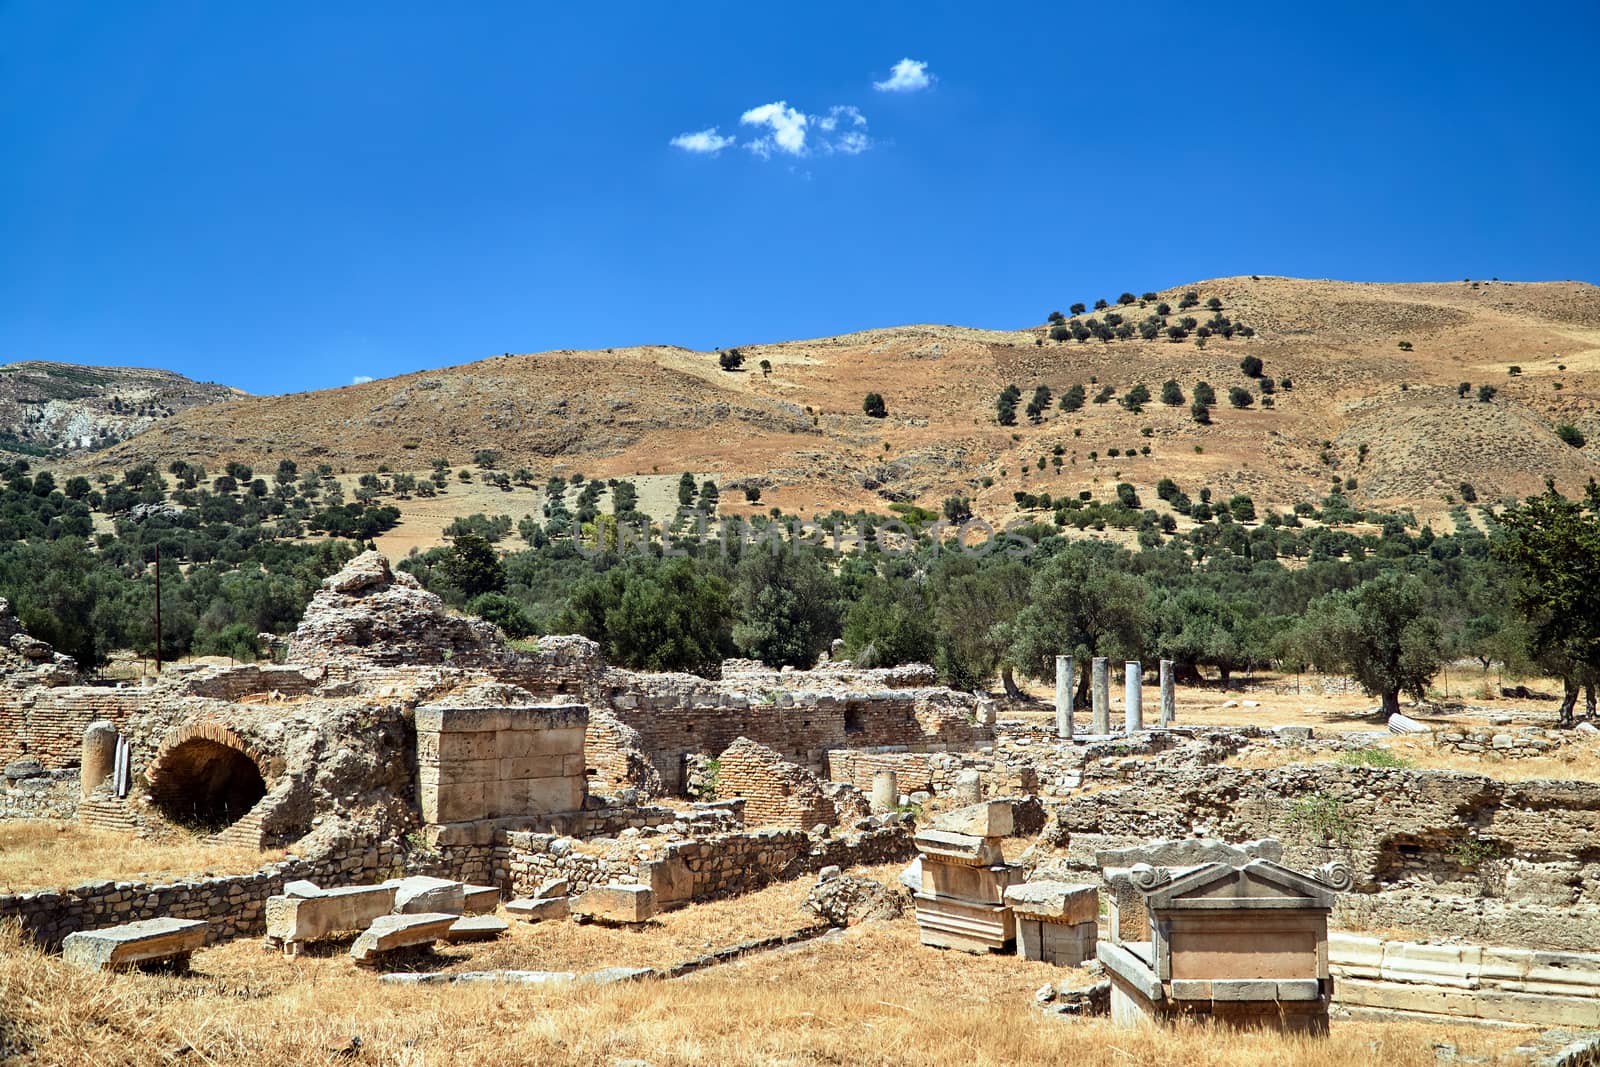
205	785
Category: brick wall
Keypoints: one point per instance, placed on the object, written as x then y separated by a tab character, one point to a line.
48	724
775	791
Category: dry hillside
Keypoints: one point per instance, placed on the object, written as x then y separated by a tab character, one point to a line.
800	432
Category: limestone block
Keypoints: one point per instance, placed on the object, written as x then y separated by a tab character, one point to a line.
1457	966
301	888
390	932
475	928
1355	956
669	879
131	943
1057	902
991	819
291	920
1056	943
947	923
480	899
422	893
551	887
979	885
959	848
616	903
539	910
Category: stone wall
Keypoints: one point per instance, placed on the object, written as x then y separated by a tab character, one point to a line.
931	772
45	795
1507	744
718	865
1438	852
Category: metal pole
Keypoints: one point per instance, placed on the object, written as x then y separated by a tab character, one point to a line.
158	609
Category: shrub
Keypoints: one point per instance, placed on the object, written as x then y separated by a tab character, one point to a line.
766	367
1468	493
1463	389
1073	398
1404	346
1136	398
1171	393
1101	305
873	405
1514	370
1486	393
1201	413
1215	304
1251	365
752	493
1059	333
1163	309
1056	316
1204	394
1077	309
1240	397
732	359
1571	435
1105	394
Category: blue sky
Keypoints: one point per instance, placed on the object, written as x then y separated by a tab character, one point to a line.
288	196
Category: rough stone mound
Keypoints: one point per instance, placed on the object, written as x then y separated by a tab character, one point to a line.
846	900
369	613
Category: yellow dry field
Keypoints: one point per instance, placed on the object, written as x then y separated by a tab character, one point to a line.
48	854
872	996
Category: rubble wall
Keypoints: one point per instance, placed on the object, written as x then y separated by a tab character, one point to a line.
1438	852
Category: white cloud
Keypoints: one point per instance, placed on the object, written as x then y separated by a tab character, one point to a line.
707	142
788	128
360	379
906	76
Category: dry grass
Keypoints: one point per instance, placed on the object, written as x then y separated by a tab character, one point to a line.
41	854
872	997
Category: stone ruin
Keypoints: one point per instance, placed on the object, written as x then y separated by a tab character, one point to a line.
400	739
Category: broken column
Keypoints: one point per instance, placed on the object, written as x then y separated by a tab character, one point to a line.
1101	692
1055	921
99	756
1169	699
960	894
1064	681
1133	695
885	792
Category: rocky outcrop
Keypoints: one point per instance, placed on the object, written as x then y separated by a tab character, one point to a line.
26	660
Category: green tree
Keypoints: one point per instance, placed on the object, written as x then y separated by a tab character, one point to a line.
1081	601
1072	399
473	567
889	625
1251	365
1383	633
732	359
1552	545
874	407
685	490
1571	435
787	606
504	611
656	615
1136	398
1240	397
1171	393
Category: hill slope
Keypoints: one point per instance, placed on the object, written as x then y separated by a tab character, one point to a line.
1356	406
46	406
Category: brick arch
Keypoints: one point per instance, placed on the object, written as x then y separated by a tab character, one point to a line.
204	776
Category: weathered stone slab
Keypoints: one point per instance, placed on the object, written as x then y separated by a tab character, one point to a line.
301	888
1056	943
954	847
1068	903
390	932
540	910
616	903
670	880
292	920
480	899
148	941
974	884
991	819
422	893
476	928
